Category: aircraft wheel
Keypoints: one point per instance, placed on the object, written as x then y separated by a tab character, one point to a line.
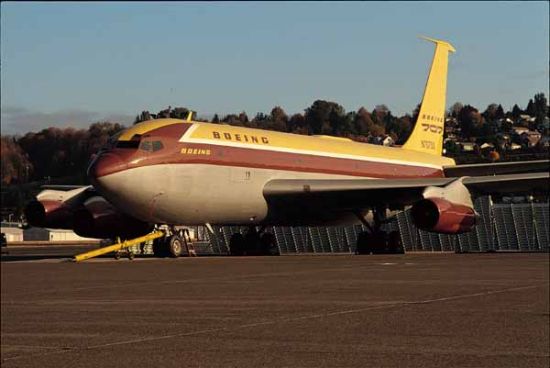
268	245
131	256
236	244
252	243
159	247
378	243
175	246
117	255
364	240
395	244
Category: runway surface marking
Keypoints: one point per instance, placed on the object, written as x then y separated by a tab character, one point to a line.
284	320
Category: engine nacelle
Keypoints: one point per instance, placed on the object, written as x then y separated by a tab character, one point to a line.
99	219
441	216
447	210
49	213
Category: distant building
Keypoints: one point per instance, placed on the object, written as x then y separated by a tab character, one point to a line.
467	146
530	138
13	234
387	141
42	234
384	140
502	121
519	130
544	141
526	118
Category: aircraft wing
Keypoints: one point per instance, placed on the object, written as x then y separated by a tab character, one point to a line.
356	194
64	187
498	168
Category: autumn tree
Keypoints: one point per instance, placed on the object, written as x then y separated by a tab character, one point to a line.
516	111
16	167
179	113
540	108
453	111
297	124
144	116
470	121
278	119
323	117
231	119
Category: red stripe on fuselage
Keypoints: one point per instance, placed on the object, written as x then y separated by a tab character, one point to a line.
288	161
259	158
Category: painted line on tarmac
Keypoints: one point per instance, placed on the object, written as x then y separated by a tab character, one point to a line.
280	320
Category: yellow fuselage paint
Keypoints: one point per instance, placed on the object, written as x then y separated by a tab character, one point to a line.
294	143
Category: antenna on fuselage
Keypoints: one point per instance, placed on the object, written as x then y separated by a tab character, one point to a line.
190	115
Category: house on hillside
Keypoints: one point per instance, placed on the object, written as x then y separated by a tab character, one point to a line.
544	142
504	121
530	138
519	130
383	140
525	119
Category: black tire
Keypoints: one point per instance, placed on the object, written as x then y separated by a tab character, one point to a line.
363	243
395	244
159	247
268	245
175	246
236	244
378	243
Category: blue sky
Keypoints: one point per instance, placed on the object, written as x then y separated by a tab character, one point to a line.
70	64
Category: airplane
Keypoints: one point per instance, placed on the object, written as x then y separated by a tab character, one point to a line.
167	172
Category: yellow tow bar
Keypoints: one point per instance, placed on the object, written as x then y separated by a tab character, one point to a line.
118	246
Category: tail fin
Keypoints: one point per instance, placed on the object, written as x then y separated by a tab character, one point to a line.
427	134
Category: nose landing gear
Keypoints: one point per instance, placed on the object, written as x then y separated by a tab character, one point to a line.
173	244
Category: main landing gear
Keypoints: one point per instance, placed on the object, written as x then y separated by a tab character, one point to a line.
173	244
376	240
253	243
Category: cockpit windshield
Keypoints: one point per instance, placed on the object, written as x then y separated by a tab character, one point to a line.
132	143
127	144
111	142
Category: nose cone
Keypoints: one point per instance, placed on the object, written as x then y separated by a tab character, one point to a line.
105	164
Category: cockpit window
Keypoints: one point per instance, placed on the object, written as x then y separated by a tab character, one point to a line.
157	145
151	146
146	146
127	144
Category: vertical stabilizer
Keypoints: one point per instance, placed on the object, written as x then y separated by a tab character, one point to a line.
427	134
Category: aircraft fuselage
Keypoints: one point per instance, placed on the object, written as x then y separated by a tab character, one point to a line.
176	172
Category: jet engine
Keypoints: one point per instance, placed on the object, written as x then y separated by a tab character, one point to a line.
447	210
83	211
97	218
49	213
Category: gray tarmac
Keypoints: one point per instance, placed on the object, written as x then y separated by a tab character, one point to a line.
429	310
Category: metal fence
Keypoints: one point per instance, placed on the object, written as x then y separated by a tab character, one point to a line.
501	227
